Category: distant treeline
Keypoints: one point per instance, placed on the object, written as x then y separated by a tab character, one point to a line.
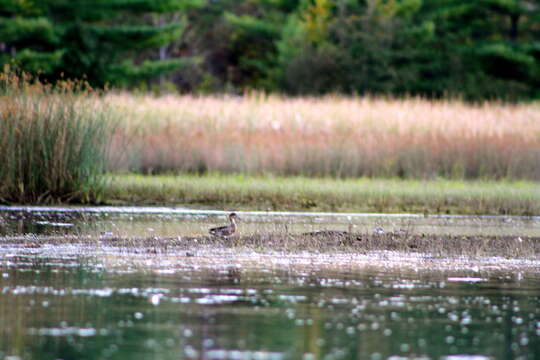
474	49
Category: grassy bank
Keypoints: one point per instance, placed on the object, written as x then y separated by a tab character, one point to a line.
300	193
327	137
54	142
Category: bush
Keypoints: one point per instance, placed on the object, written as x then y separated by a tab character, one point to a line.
53	140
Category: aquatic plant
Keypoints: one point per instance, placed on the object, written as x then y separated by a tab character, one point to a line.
53	140
442	246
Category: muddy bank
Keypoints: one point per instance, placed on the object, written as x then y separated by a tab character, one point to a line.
324	251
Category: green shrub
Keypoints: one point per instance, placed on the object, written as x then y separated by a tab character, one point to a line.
53	140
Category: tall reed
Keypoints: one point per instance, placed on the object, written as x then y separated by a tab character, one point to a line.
53	140
330	136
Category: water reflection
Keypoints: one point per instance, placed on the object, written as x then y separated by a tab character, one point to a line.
74	308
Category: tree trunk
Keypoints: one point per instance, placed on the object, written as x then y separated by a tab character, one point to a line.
514	31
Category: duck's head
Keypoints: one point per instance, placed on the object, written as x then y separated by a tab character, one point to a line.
233	217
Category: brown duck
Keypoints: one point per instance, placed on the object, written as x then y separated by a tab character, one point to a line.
228	230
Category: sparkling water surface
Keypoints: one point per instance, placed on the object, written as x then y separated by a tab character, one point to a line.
73	304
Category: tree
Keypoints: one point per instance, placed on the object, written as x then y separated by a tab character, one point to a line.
482	49
472	49
99	39
349	46
238	40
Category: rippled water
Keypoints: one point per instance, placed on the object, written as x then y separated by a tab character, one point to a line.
71	302
74	308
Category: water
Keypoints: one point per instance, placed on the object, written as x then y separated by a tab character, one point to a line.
73	308
76	301
167	222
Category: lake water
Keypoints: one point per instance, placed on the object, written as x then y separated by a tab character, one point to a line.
71	302
159	221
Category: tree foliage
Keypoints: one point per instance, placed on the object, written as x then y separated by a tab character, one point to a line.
100	39
472	49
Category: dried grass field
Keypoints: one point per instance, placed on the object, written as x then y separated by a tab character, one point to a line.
330	136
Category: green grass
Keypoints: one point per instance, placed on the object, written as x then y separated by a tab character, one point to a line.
349	195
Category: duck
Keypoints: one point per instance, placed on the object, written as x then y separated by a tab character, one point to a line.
227	230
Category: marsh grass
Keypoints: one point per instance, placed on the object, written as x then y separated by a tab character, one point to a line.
438	246
329	242
352	195
53	140
330	136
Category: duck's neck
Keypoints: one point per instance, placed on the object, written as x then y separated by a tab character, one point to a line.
233	223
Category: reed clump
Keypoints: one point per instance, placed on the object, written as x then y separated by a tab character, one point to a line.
53	140
332	136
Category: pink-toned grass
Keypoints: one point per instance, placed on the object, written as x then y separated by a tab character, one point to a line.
330	136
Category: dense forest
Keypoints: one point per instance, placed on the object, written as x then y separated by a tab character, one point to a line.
476	50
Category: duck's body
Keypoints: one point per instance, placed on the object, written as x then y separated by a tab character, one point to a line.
226	231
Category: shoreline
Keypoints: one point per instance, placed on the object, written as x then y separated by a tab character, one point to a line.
185	210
